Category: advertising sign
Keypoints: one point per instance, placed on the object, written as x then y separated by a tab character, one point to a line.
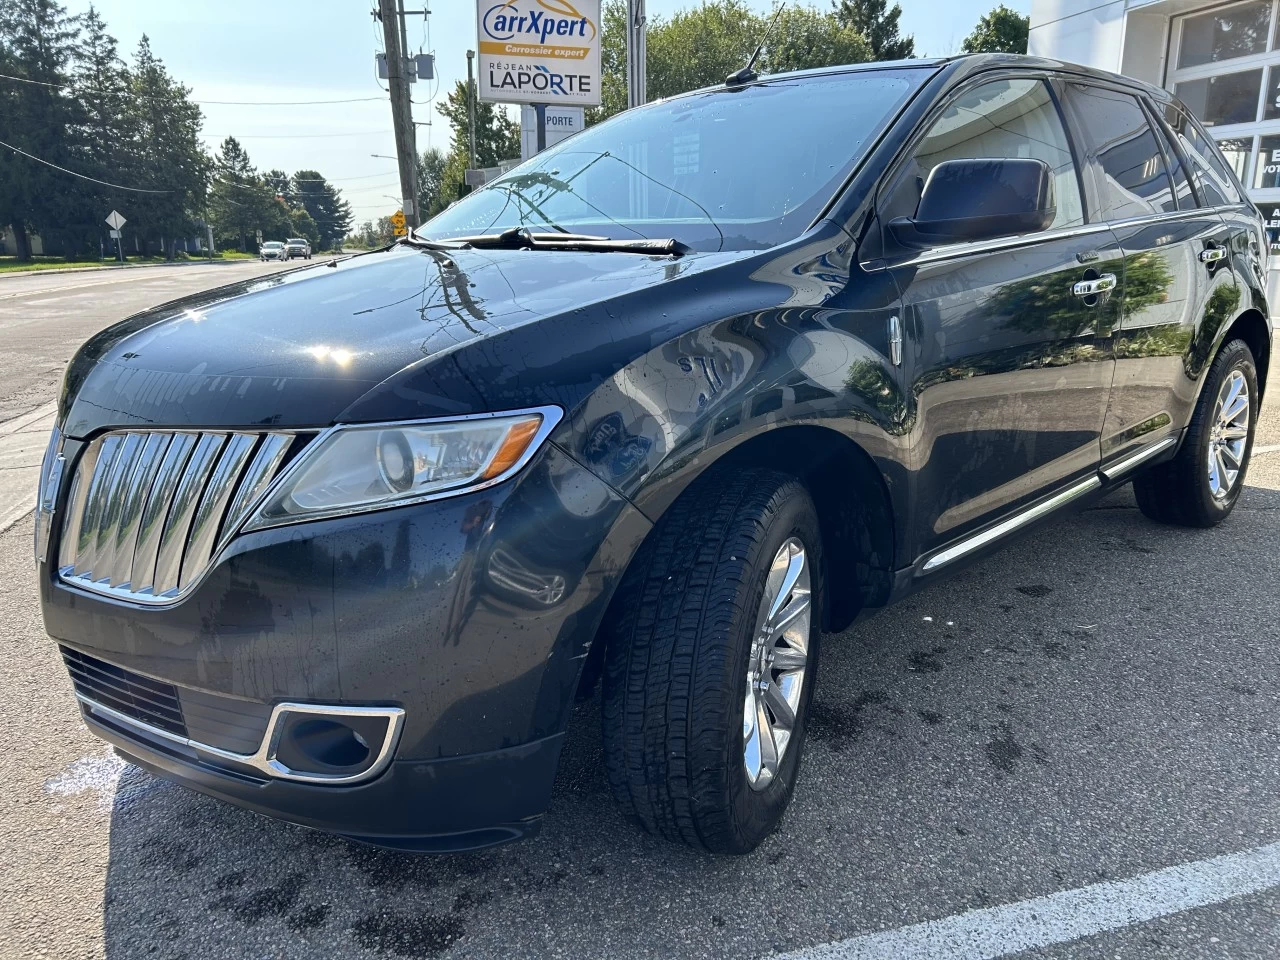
539	51
562	122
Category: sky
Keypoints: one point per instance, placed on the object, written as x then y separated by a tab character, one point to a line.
248	50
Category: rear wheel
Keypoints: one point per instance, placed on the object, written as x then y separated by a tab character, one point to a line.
1199	487
712	650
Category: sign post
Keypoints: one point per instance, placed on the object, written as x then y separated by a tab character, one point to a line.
115	222
539	53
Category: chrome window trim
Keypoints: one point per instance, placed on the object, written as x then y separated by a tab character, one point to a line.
1007	526
957	250
263	759
1120	468
551	417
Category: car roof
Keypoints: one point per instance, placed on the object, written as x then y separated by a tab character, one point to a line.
958	67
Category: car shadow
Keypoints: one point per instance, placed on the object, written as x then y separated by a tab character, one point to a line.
970	746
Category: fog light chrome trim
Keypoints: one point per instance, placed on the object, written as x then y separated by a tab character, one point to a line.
264	758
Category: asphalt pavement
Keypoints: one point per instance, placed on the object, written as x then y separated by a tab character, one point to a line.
1068	750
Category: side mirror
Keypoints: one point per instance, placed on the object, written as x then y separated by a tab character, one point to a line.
966	200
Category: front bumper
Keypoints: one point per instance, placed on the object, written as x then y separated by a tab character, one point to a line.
473	615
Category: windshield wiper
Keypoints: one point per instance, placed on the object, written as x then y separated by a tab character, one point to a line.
523	239
423	243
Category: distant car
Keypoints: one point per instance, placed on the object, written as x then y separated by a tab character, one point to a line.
297	247
272	250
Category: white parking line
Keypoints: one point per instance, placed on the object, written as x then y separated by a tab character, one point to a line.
1269	448
1065	916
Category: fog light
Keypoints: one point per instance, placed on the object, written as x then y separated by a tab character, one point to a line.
330	744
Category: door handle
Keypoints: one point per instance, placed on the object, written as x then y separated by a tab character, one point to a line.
1089	288
1213	255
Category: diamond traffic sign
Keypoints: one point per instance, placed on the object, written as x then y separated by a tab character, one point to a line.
398	218
115	221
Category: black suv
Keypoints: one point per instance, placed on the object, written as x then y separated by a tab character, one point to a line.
341	544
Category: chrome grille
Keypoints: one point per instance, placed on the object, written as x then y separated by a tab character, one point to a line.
149	509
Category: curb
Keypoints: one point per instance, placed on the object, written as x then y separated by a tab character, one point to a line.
128	266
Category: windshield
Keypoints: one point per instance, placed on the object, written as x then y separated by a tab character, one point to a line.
719	170
272	245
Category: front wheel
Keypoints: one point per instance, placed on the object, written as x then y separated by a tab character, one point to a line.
1200	486
712	650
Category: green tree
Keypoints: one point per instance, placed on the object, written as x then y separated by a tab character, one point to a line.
101	85
169	153
302	225
497	139
279	183
330	214
497	135
1000	31
878	22
701	46
37	39
431	166
240	202
805	37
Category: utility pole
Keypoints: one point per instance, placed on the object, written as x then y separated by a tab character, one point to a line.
637	54
471	103
390	12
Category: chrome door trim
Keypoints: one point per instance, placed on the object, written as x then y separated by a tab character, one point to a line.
955	250
1113	470
1008	526
264	758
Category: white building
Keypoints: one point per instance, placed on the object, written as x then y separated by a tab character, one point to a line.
1222	59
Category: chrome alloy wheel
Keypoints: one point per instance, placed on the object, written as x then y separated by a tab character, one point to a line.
776	669
1228	435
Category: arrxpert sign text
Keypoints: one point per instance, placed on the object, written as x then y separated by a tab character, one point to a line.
539	51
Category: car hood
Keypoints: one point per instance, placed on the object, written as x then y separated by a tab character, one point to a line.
296	349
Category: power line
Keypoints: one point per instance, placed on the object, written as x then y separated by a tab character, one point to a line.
114	186
212	103
293	136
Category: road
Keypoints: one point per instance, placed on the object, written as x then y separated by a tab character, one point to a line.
1076	737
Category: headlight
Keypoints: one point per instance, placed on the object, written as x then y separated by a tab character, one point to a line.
351	469
47	494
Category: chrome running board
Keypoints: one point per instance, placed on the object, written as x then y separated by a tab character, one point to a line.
1006	527
1113	470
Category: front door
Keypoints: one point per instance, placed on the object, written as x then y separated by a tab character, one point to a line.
1011	361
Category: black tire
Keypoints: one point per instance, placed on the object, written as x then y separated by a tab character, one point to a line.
680	637
1178	492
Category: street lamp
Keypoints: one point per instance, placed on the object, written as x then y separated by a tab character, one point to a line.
383	156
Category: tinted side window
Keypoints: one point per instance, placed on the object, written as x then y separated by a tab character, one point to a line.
1213	180
1004	119
1129	161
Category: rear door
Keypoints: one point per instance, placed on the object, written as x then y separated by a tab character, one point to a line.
1010	365
1175	262
1217	187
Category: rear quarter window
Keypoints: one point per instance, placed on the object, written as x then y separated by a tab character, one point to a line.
1212	177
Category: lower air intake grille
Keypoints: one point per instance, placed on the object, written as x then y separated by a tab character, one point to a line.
148	701
148	509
